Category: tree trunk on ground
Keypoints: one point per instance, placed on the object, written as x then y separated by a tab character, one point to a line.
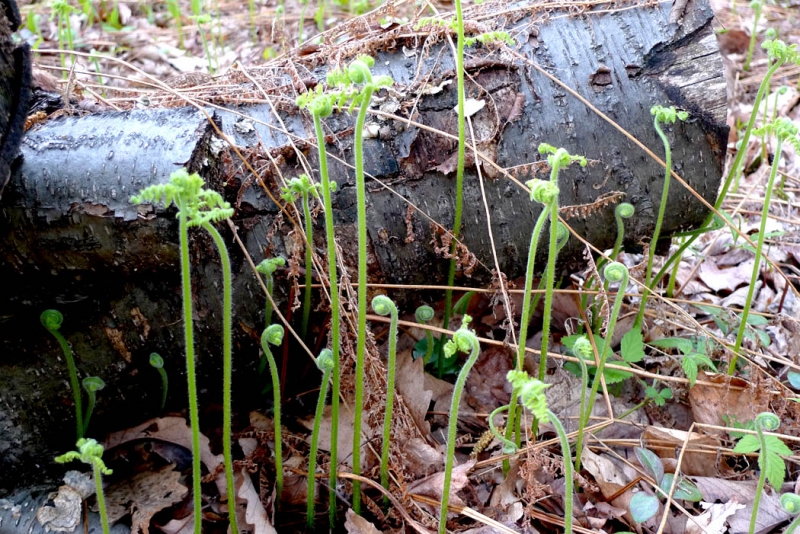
72	240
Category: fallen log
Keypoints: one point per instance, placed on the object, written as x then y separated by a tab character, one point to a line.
73	241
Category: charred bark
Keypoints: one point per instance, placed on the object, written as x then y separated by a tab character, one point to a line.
73	241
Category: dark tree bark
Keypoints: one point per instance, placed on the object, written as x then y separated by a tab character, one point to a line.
73	241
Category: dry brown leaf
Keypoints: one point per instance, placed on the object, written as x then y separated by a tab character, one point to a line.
710	403
179	526
345	436
611	476
770	513
249	509
410	384
725	279
714	520
172	429
144	495
665	442
487	386
355	524
422	459
599	514
505	499
431	486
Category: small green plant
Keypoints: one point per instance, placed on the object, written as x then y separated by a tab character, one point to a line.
92	384
174	8
785	131
756	6
614	272
509	447
545	193
199	207
463	340
531	395
623	210
631	351
157	362
320	105
557	158
423	315
770	464
790	503
778	53
384	306
661	115
460	161
267	267
302	23
695	354
347	83
326	364
90	452
303	188
273	335
251	10
52	321
32	22
200	20
61	12
644	506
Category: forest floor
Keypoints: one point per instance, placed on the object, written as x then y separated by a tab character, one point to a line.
685	427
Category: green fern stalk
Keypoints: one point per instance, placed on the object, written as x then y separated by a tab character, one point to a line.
463	340
273	334
784	130
325	363
321	105
668	116
52	321
384	306
462	144
780	53
614	272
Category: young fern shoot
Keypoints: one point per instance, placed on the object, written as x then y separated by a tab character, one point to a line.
665	116
614	272
384	306
557	159
790	502
157	362
196	206
92	384
91	452
267	267
358	74
325	363
273	335
531	395
423	315
778	53
52	321
303	187
463	340
320	105
624	210
460	161
785	131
